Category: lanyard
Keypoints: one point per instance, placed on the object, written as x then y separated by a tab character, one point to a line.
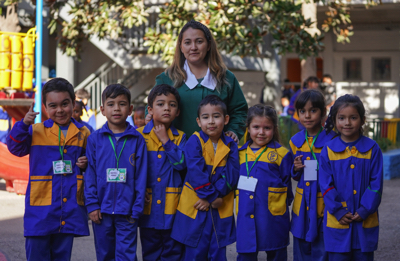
254	163
312	145
112	144
59	144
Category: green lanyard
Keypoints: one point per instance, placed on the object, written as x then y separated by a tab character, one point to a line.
112	144
59	144
254	163
312	145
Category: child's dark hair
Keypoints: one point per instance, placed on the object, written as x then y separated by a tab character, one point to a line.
267	111
80	104
57	85
348	100
163	89
140	108
212	100
313	79
316	98
113	91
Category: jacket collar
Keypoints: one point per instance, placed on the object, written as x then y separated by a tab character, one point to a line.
363	145
73	129
299	138
209	81
130	130
271	144
149	126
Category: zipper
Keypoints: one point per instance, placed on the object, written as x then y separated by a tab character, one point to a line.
115	185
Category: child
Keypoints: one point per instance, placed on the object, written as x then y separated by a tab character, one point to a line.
164	184
83	96
308	206
263	218
204	221
138	117
115	180
54	213
351	179
77	114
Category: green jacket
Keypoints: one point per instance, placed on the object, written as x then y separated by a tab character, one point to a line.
190	98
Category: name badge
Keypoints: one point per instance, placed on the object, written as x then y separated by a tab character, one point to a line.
62	167
310	170
116	175
248	184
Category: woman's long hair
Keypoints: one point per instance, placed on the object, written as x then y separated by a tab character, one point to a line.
213	58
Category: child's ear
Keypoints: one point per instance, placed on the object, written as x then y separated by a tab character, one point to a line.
226	121
363	121
102	110
198	122
130	109
178	112
150	110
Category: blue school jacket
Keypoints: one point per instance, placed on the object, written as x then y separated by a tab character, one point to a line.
263	218
208	177
4	125
351	180
112	197
52	201
308	205
164	183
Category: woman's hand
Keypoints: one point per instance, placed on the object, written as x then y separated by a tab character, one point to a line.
232	135
148	118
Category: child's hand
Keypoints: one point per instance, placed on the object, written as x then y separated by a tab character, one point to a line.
217	203
161	133
298	164
82	162
30	116
232	135
202	205
357	217
346	219
147	199
148	118
95	216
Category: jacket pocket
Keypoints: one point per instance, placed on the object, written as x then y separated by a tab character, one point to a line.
79	190
41	190
298	198
147	208
320	205
226	209
332	222
371	221
187	201
171	200
237	201
277	200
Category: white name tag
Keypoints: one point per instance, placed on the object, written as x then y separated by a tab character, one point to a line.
248	184
310	170
116	175
62	167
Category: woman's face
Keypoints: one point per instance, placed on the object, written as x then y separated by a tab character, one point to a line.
194	46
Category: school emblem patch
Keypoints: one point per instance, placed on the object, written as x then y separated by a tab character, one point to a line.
272	156
132	159
80	136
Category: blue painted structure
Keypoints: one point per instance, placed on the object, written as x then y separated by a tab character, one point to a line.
391	164
38	64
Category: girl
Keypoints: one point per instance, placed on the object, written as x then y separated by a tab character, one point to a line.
308	206
351	178
264	189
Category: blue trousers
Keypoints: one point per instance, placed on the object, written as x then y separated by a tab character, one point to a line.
354	255
309	251
52	247
207	249
157	244
115	238
273	255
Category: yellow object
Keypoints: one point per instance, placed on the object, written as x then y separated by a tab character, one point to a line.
352	166
5	61
16	62
251	216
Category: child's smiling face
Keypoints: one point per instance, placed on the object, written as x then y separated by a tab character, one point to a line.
59	106
261	130
212	121
348	122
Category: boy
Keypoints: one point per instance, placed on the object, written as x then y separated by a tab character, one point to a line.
138	117
115	180
83	96
54	211
204	221
77	114
165	155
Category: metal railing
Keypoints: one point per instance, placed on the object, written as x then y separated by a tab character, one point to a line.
378	129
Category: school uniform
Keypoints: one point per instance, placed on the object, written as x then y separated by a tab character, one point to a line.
5	125
54	211
263	218
351	179
120	198
211	175
308	205
164	186
87	126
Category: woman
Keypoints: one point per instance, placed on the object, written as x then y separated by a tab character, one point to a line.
197	71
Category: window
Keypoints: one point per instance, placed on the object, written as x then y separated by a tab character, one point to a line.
352	69
381	69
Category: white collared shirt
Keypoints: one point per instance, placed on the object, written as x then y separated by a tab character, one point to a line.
208	81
